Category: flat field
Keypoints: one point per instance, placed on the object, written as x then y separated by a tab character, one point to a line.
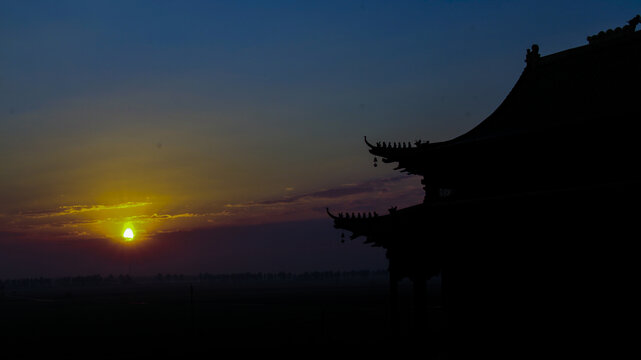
247	313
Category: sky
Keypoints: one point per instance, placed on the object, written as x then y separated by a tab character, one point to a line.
220	130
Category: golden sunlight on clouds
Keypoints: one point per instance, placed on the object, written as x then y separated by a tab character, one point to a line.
72	209
98	220
155	215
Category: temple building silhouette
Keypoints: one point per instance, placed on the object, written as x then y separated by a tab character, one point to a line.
528	215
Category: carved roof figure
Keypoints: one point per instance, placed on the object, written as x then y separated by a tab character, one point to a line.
532	56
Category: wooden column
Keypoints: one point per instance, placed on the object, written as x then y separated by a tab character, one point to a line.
444	289
420	303
394	309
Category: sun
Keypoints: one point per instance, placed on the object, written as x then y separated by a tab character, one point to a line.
128	234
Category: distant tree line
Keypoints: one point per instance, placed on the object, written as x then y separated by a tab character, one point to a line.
288	276
112	280
69	281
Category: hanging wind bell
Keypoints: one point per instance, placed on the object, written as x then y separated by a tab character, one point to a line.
342	238
375	161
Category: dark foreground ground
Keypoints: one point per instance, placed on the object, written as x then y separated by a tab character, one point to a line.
249	313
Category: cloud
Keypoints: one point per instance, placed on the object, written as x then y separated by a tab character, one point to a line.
372	195
73	221
74	209
156	216
342	191
82	221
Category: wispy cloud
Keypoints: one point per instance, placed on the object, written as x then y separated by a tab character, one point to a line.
75	209
372	195
342	191
75	220
156	216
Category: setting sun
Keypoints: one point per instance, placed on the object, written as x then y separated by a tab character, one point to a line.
128	235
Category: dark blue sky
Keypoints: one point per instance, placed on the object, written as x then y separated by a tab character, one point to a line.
413	62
